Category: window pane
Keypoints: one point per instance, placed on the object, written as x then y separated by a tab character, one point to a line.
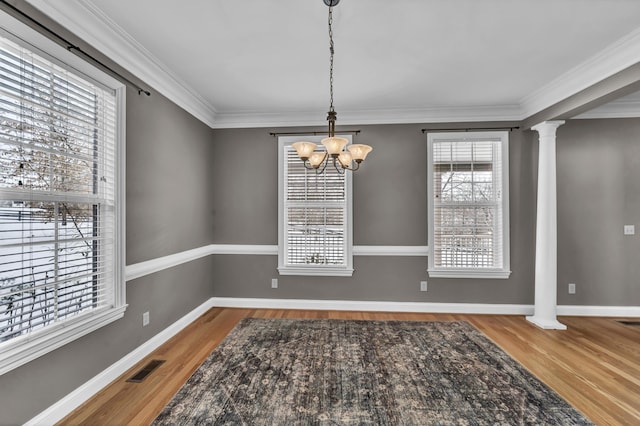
466	212
57	190
314	209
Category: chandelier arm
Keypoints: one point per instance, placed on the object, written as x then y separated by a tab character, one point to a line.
341	169
325	161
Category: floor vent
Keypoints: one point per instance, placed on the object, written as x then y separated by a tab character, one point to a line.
634	323
145	371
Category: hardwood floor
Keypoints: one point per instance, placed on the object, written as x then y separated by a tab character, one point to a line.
595	364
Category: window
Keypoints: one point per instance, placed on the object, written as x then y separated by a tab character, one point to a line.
61	214
314	215
469	204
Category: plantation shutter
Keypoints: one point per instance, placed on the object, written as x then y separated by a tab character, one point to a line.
57	193
315	215
467	201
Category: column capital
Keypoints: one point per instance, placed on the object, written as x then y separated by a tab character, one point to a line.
548	128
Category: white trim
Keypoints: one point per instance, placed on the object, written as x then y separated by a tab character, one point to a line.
623	108
88	22
472	273
147	267
66	405
231	120
422	251
618	56
421	307
599	311
373	306
34	345
316	271
141	269
546	323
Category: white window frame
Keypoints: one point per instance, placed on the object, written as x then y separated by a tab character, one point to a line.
502	272
23	349
346	270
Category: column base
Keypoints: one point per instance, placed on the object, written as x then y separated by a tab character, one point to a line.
547	324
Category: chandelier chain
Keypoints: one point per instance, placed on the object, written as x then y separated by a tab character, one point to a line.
331	51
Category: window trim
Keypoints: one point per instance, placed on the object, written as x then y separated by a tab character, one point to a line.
485	273
23	349
316	270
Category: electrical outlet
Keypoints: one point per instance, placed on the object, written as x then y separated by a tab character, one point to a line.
572	288
629	230
423	286
145	319
274	283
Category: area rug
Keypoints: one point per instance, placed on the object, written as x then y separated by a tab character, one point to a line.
335	372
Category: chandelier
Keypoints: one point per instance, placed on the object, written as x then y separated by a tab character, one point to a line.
342	159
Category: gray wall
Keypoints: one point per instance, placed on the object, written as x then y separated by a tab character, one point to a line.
390	208
598	193
168	211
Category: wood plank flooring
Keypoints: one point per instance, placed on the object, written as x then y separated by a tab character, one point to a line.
595	364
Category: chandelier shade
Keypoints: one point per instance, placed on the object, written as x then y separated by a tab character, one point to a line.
359	151
335	146
304	149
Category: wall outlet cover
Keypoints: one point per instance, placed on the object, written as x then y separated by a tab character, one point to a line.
145	319
572	288
629	230
423	286
274	283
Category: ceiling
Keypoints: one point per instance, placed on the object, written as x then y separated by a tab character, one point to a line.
247	63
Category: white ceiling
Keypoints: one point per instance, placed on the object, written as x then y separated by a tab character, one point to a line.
248	63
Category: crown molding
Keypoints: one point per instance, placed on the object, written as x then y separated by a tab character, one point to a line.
364	117
624	108
88	22
618	56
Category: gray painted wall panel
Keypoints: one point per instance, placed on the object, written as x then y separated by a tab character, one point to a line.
168	182
390	208
598	193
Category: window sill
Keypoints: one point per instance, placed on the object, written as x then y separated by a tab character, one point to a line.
23	349
316	271
476	273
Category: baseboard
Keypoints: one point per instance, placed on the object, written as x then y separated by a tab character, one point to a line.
76	398
424	307
382	306
599	311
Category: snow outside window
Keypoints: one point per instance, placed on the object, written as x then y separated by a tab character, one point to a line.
60	216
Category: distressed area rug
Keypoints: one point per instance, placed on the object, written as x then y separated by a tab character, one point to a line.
328	372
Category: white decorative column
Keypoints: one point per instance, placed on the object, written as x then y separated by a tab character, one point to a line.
546	289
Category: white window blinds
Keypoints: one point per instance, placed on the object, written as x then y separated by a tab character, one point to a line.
468	229
57	193
315	212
